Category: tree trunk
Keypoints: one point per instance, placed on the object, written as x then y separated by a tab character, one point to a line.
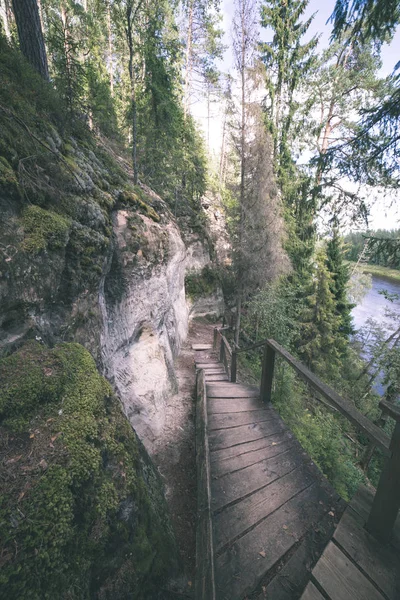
133	92
242	169
30	35
238	313
110	50
68	55
189	60
5	17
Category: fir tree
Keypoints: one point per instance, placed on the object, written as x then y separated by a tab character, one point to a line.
320	346
340	273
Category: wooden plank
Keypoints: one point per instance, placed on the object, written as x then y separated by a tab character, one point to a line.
236	419
233	390
217	377
378	436
290	580
267	376
311	593
246	459
227	345
224	438
241	567
340	579
232	405
237	519
238	457
386	504
201	346
205	576
361	504
390	409
214	371
380	562
234	486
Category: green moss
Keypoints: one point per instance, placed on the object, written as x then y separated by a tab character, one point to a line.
201	284
43	229
7	174
136	197
81	504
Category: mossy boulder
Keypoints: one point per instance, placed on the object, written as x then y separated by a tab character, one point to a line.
82	513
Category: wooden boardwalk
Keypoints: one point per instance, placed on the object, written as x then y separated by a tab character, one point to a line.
355	565
266	511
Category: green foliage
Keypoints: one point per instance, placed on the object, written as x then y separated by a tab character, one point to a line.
43	229
198	285
287	61
340	273
382	247
367	18
319	344
319	432
272	313
80	504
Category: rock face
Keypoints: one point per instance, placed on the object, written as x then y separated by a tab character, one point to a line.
145	321
92	272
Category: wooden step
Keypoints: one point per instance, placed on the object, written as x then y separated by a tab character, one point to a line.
232	390
198	347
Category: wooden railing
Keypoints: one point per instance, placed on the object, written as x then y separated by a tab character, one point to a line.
386	503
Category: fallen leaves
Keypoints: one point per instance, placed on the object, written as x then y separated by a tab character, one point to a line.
15	459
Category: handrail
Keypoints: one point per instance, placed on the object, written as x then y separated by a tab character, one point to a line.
227	345
387	498
252	347
347	409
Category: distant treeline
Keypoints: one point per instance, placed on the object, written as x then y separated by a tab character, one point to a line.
383	247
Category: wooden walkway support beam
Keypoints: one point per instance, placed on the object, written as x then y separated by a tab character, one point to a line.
386	504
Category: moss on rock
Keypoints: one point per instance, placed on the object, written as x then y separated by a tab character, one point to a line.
43	229
82	513
136	198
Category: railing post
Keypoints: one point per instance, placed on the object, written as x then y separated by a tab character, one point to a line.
215	338
386	504
267	376
233	366
222	350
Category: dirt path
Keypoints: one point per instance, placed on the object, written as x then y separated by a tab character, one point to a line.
175	451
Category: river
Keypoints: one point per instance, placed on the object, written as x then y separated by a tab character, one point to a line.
374	305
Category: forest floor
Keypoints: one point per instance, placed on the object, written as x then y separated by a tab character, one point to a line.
175	454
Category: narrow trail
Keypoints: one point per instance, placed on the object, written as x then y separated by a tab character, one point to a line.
175	455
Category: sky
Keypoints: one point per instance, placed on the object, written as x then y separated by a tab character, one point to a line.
384	214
